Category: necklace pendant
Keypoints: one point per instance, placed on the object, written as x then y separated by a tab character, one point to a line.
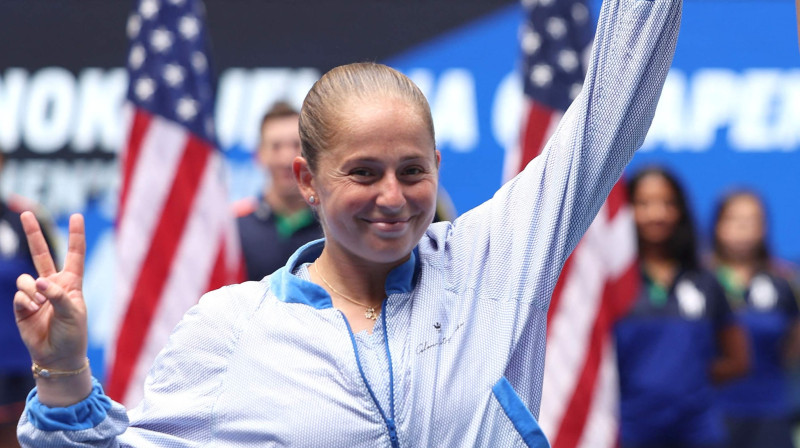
371	314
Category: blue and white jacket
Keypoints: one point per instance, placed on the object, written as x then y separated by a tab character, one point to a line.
457	356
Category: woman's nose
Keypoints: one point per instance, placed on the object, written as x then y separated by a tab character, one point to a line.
391	193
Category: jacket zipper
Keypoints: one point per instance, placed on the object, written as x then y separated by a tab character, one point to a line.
389	421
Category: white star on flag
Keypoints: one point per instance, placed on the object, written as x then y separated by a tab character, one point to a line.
531	41
542	75
568	60
556	27
199	62
173	74
189	27
134	25
144	88
137	57
149	8
580	13
187	108
161	40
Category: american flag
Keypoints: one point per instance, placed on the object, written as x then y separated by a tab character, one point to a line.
599	280
176	237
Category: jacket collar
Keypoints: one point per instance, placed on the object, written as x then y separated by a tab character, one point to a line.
290	288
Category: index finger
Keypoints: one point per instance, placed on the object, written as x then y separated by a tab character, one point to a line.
76	246
40	251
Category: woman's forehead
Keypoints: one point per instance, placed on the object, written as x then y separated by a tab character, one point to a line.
744	203
381	121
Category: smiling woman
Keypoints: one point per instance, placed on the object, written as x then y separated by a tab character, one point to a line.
390	331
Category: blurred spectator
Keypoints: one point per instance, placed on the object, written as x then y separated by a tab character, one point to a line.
272	227
15	363
757	406
680	337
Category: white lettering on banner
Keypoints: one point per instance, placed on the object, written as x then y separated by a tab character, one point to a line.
62	186
11	91
230	94
49	110
507	110
453	106
713	104
766	122
786	133
755	110
751	126
759	109
100	97
246	94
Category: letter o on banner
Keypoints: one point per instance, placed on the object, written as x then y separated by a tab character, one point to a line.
49	113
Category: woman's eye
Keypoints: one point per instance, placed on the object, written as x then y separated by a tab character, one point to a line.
360	172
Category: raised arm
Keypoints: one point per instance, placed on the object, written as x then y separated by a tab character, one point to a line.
519	240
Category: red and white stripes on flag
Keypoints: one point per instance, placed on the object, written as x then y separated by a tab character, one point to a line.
176	236
176	240
598	283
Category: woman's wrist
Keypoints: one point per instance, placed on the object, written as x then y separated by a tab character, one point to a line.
66	390
40	371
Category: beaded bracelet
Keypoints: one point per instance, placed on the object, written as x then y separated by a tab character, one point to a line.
41	372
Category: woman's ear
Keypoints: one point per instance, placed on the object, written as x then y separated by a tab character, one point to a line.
304	177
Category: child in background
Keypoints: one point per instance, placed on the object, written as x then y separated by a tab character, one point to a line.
757	406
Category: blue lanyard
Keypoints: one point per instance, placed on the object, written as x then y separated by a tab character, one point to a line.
390	424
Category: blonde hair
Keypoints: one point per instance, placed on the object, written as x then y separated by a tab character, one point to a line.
321	111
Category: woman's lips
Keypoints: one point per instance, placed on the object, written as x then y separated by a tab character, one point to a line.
392	225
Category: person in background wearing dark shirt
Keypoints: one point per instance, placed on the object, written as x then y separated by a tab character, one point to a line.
757	406
680	337
272	227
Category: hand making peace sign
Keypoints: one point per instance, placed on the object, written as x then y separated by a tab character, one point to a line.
50	310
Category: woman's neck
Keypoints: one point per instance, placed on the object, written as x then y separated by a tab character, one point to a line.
741	270
357	288
661	267
362	281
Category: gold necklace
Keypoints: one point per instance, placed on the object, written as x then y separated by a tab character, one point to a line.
369	313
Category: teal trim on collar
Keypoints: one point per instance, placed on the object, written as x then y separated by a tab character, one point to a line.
290	288
403	278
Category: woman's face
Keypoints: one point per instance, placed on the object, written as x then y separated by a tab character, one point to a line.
740	229
378	181
655	209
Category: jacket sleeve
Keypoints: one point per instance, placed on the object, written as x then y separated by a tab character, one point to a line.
514	245
180	390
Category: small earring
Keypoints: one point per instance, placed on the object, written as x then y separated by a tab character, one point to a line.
312	200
